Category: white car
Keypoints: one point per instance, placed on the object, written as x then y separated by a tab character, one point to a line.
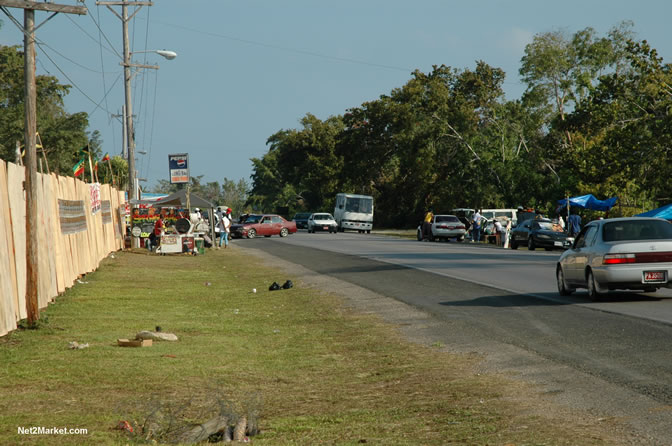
445	227
620	253
322	222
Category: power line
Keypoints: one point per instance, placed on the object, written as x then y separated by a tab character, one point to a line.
288	49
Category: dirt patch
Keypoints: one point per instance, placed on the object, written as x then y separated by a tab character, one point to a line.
536	387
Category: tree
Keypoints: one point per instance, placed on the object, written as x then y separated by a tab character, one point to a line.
62	134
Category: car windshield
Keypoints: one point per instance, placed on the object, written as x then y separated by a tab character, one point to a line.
446	218
636	230
322	217
253	219
356	204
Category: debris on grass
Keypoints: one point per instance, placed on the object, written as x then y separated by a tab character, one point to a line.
74	345
156	335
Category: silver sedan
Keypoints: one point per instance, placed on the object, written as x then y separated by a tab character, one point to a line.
621	253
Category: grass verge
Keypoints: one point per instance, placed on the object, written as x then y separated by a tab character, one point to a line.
311	370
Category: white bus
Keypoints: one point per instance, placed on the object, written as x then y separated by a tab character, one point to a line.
354	211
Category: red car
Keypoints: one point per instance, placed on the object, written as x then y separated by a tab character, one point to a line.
266	225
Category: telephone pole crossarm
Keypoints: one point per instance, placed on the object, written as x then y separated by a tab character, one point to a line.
41	6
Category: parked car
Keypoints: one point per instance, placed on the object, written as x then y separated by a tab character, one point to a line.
540	233
445	227
322	222
621	253
301	219
267	225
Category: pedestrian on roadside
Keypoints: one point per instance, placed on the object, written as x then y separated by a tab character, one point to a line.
224	225
574	223
476	226
159	228
427	224
499	231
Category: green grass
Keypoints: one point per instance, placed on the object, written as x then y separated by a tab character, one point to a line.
311	370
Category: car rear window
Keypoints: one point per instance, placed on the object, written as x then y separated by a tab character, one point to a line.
636	230
446	218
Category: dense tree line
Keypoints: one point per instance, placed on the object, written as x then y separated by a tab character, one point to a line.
594	118
62	135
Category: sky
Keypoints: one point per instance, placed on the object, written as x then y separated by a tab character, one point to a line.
248	69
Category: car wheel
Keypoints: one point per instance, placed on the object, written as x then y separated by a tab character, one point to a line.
563	289
251	233
460	239
530	244
284	232
594	291
419	235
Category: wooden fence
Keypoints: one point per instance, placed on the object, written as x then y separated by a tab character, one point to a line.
79	224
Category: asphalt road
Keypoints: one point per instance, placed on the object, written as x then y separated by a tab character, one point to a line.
485	294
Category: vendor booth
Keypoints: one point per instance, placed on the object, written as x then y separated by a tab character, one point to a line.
185	230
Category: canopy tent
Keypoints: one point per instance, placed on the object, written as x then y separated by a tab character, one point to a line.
177	199
662	212
589	202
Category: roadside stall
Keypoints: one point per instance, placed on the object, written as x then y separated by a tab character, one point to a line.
185	233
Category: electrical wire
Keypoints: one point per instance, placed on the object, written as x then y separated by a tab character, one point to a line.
283	48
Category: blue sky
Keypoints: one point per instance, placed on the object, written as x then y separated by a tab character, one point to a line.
248	69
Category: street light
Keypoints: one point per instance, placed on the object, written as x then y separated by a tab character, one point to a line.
130	134
170	55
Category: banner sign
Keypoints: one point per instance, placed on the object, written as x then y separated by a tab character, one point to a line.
94	189
178	164
72	216
106	208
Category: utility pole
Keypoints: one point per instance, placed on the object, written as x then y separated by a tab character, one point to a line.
28	30
130	133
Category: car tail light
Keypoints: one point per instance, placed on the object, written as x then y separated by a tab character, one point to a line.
642	257
614	259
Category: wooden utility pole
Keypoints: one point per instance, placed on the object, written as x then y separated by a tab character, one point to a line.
128	124
28	30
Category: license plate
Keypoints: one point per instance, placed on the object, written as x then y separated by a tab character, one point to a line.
654	276
325	228
557	243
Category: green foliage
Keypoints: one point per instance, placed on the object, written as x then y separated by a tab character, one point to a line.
62	134
594	119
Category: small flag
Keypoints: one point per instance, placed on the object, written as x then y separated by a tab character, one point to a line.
85	149
79	168
106	157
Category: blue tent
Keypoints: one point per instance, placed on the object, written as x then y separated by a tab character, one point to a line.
662	212
589	202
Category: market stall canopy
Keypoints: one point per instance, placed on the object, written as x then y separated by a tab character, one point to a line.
662	212
589	202
179	199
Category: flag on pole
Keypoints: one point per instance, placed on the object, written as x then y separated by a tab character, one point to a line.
85	149
79	168
106	157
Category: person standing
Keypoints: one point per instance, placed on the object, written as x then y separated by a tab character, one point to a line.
574	224
159	227
224	225
476	226
427	224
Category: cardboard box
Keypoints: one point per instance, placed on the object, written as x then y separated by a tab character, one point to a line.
134	342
